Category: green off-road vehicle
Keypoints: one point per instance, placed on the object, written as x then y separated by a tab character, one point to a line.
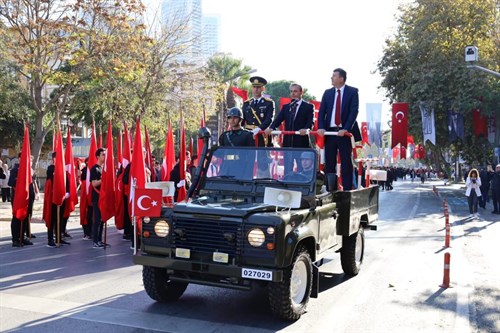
250	219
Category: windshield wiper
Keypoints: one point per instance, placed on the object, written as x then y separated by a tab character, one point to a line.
221	177
268	179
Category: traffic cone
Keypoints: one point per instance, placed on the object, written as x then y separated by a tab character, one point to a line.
446	275
447	236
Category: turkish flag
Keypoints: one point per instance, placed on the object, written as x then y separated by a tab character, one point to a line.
168	155
402	152
364	132
181	195
91	162
107	194
240	92
59	183
22	193
148	202
421	152
395	152
416	154
119	150
399	124
149	155
72	201
199	148
126	147
410	140
480	123
138	168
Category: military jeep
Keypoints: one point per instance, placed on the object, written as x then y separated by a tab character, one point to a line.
255	217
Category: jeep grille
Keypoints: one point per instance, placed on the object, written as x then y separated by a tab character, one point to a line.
207	236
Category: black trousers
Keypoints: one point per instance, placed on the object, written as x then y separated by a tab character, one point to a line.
127	222
97	224
343	145
52	230
6	194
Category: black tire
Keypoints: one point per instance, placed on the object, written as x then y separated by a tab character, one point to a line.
352	252
159	287
288	299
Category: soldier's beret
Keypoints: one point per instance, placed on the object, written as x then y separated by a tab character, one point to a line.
258	81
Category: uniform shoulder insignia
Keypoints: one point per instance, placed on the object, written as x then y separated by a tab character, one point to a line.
248	100
268	99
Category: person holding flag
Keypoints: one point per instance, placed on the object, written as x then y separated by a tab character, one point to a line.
95	180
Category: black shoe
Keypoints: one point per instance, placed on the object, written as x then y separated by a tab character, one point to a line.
16	244
33	236
26	241
66	235
126	237
64	242
495	212
98	245
51	244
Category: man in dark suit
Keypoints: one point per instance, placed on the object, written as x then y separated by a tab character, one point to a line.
298	116
258	111
338	111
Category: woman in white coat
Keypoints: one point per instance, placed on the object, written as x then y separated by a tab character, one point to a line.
472	191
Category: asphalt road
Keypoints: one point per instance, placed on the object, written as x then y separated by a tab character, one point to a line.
76	288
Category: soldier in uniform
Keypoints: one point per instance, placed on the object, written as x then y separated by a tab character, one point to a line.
239	167
258	111
237	136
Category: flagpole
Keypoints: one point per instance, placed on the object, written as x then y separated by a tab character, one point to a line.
132	190
58	226
105	234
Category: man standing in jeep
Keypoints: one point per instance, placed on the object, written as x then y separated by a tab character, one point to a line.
237	136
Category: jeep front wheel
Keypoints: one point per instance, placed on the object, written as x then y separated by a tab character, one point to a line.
351	254
288	299
159	287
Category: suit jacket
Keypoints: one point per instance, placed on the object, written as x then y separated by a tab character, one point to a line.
303	119
349	110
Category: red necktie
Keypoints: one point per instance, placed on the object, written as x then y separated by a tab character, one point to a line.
337	109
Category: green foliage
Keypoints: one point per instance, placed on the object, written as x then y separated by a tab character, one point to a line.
424	61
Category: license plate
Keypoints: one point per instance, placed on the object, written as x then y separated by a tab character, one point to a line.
220	257
256	274
183	253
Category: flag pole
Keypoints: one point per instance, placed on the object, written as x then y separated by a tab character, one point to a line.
58	226
105	234
132	190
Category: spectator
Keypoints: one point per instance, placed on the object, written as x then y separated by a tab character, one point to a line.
4	183
495	190
472	185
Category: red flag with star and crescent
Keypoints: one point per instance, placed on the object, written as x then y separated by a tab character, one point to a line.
148	202
364	132
399	124
107	194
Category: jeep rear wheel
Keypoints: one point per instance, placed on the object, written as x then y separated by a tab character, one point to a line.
351	254
158	285
288	299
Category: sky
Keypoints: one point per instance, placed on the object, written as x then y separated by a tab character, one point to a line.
304	41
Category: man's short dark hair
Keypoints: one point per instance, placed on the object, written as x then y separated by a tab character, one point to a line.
99	151
53	154
342	73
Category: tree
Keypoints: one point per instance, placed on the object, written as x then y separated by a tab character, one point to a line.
226	71
424	61
281	88
53	44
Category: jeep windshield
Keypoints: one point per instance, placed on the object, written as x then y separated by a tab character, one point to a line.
271	165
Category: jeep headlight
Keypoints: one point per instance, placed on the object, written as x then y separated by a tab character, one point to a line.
162	229
256	237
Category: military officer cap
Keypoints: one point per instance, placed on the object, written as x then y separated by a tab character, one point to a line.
258	81
235	112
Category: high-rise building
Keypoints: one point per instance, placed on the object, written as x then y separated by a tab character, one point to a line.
210	36
188	11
